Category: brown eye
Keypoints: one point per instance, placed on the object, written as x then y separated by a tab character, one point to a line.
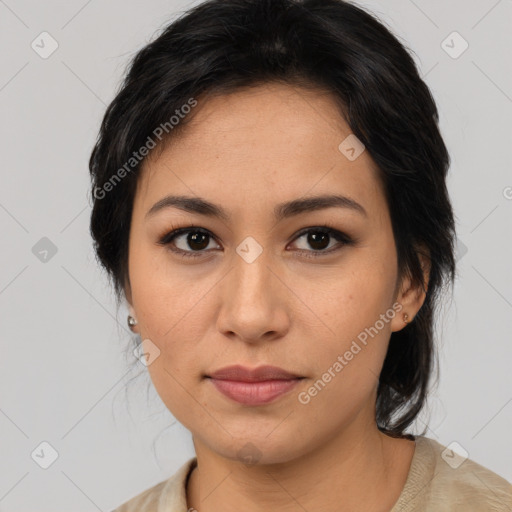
319	240
193	242
187	241
197	241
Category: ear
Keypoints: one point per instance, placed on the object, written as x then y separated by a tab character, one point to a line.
411	297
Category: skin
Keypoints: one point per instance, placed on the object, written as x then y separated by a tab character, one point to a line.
249	151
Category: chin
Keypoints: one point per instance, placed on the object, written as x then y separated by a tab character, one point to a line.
259	448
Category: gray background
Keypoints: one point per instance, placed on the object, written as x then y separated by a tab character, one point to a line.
63	375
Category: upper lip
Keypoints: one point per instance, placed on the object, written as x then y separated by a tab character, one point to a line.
244	374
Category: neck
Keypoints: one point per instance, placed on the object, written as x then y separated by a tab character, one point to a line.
348	473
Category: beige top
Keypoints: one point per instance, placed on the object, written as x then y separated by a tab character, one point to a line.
438	481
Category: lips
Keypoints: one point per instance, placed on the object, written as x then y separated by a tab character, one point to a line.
252	387
243	374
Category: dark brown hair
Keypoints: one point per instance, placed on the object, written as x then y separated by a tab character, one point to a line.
332	45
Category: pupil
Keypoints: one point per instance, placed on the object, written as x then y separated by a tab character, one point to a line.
193	239
315	238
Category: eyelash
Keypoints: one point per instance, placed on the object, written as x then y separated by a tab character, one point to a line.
326	229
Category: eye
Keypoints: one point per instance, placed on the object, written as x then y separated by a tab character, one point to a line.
319	238
194	240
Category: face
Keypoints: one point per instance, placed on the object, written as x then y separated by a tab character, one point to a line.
254	289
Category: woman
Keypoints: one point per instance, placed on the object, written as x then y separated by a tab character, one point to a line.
270	199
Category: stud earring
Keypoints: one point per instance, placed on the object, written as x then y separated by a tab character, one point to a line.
406	318
131	322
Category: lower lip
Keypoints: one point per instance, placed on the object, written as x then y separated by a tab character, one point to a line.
254	393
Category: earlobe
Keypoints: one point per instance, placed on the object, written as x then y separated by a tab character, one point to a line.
410	297
406	316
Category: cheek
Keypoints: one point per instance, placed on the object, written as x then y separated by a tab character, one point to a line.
175	373
166	296
172	383
349	300
356	311
346	376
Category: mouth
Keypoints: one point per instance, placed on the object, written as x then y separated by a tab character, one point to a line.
259	374
256	386
254	393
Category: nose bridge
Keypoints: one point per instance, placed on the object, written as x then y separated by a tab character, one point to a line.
250	303
251	277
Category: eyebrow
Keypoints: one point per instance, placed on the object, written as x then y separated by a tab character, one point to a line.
281	211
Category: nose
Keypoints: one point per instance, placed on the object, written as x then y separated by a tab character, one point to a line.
255	302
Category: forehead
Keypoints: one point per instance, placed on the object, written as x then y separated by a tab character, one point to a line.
260	146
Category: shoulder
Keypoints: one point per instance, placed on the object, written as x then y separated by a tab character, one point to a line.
146	500
166	496
441	479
